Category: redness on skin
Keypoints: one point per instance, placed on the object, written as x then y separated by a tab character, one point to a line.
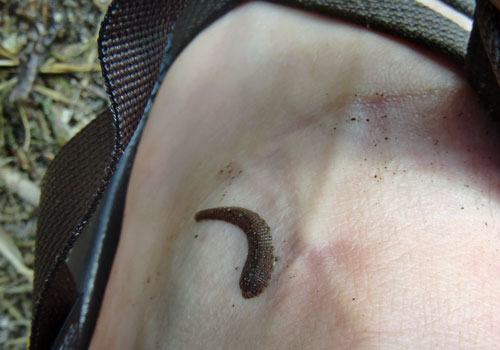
258	267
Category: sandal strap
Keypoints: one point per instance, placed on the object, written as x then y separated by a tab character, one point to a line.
482	65
464	6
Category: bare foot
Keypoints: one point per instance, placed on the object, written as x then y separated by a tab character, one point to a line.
370	159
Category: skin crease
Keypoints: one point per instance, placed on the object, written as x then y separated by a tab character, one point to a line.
373	164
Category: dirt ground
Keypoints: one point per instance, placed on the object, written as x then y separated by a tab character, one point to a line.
50	87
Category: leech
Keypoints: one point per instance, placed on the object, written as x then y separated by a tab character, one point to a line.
258	267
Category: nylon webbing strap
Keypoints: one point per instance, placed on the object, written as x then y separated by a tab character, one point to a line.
488	22
482	65
70	189
464	6
403	18
131	46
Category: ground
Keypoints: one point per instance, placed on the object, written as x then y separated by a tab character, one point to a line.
50	87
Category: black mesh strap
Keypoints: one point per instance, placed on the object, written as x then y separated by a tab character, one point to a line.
482	64
464	6
132	45
70	190
407	19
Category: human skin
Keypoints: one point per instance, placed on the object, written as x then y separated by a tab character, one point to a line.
371	160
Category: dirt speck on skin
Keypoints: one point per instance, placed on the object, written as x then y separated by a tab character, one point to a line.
231	171
43	105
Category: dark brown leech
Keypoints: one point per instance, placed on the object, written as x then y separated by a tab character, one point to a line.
259	264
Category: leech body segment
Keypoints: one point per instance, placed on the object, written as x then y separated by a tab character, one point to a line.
258	267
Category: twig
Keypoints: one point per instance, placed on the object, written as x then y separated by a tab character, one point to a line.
16	289
9	250
54	95
13	311
9	62
26	125
6	53
17	183
58	68
8	84
38	50
28	74
19	341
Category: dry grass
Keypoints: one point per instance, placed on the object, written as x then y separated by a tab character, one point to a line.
50	87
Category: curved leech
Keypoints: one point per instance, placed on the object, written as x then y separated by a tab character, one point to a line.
258	266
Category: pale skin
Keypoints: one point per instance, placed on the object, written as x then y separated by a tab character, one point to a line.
370	159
